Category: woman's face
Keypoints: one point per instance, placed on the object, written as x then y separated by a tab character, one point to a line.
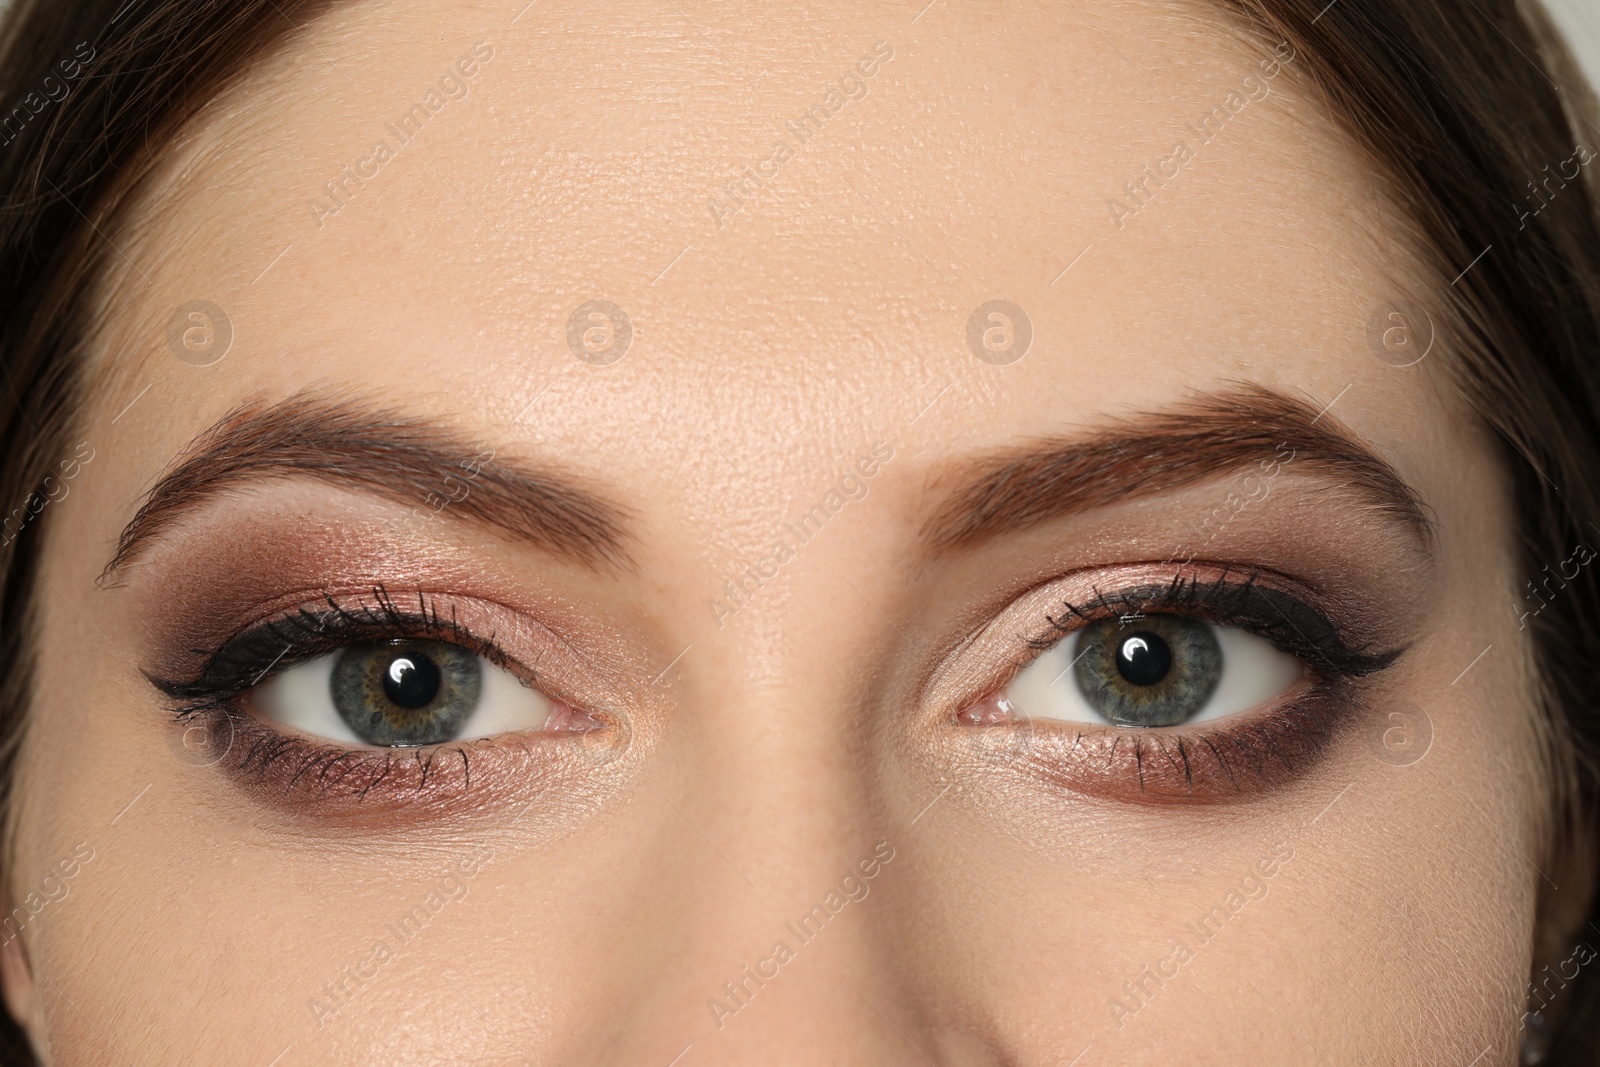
651	446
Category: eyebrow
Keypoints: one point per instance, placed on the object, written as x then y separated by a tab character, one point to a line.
404	459
1157	452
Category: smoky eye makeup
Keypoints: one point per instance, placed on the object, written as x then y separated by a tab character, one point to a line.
1164	683
372	700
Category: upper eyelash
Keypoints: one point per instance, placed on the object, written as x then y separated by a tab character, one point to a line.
1286	621
249	658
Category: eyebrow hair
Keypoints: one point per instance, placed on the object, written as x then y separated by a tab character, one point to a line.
1162	451
400	458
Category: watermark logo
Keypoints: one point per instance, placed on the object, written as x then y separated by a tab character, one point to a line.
199	333
1400	333
1001	744
1401	735
599	333
999	332
454	84
996	731
47	494
202	740
787	142
51	889
1169	167
852	888
1539	189
608	743
51	90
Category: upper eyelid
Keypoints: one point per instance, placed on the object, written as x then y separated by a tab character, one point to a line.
1331	654
299	650
1145	599
535	642
998	649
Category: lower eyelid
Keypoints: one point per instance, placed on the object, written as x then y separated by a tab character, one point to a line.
380	788
1246	755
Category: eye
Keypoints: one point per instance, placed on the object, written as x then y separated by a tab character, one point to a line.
1152	670
400	693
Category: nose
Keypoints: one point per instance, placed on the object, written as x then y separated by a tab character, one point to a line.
770	880
768	885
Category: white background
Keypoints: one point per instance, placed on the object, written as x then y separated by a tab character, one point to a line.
1580	20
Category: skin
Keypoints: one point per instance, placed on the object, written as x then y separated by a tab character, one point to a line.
771	750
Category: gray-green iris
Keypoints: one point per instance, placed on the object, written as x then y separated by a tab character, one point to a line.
406	692
1155	671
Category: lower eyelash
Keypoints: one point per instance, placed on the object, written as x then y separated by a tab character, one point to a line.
262	753
297	772
1254	755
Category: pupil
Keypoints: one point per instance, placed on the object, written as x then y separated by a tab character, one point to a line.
1144	659
412	680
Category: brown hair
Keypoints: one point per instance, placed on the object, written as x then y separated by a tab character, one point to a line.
1459	104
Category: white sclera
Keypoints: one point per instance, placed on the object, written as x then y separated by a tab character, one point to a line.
1253	672
302	698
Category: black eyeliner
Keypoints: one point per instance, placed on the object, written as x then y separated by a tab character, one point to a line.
262	651
1285	620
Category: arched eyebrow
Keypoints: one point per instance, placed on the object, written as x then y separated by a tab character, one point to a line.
350	444
1157	452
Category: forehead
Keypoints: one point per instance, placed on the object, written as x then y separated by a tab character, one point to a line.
801	213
